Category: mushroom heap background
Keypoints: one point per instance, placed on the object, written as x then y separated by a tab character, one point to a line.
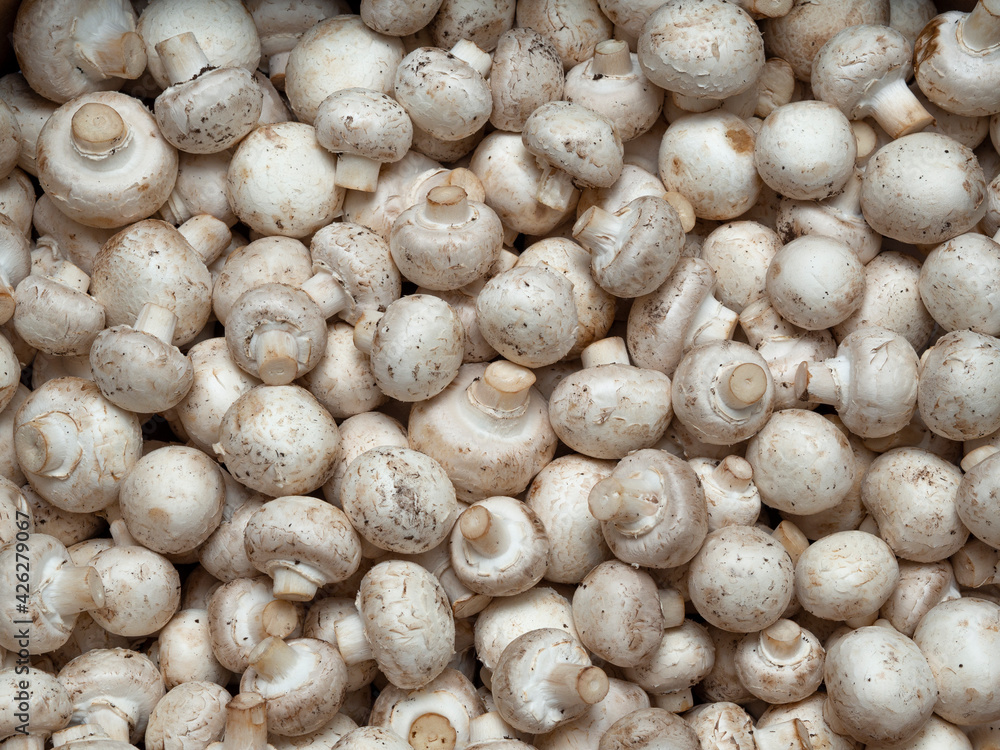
446	374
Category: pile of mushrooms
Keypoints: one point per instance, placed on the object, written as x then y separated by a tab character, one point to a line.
495	375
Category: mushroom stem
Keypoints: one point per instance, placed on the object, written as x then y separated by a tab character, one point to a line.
49	445
279	618
848	200
277	64
116	726
897	110
432	731
290	584
769	8
118	530
683	207
792	539
488	726
246	723
156	321
598	230
207	235
782	643
327	291
503	388
815	382
182	57
573	684
448	204
761	322
981	28
364	330
611	58
712	321
626	499
733	474
276	352
70	275
672	607
742	385
274	659
74	589
675	702
356	172
484	532
469	52
978	455
97	130
351	640
609	351
109	51
555	187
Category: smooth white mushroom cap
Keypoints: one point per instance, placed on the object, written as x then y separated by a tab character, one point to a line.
710	48
957	284
365	123
740	252
961	641
805	150
815	282
923	188
526	73
577	140
142	590
879	685
194	711
266	260
184	650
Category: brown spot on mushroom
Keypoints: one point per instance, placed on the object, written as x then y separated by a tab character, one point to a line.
741	141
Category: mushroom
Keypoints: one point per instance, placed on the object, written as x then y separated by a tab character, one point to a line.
610	408
623	698
480	22
526	73
891	708
102	160
282	260
863	71
446	241
190	712
67	48
115	688
245	724
278	440
206	109
303	682
223	554
911	493
896	194
184	651
321	622
652	510
953	395
921	587
343	380
31	111
404	623
783	663
366	129
739	252
273	160
646	728
74	446
711	49
38	707
977	494
723	392
360	433
872	382
719	724
505	432
955	284
951	55
369	738
499	547
741	579
172	499
684	656
731	497
544	678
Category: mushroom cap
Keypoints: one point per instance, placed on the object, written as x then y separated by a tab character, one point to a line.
957	283
137	371
741	579
891	708
399	499
279	440
223	555
55	318
528	314
846	575
651	726
801	462
130	183
50	704
210	113
339	53
142	590
923	188
709	159
184	651
225	30
950	73
151	262
507	617
195	711
684	655
956	397
577	140
708	48
172	499
911	495
637	627
815	282
960	640
308	536
129	683
806	150
977	500
342	380
275	161
281	260
740	252
408	622
516	94
363	122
